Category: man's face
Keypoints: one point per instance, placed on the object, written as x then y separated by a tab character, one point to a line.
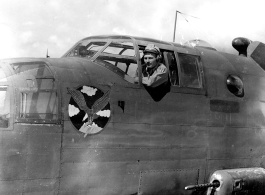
150	60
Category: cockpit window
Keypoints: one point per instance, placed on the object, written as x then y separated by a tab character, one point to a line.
120	48
86	49
189	67
38	95
120	58
38	69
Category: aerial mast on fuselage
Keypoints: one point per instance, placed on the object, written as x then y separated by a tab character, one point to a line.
176	22
175	26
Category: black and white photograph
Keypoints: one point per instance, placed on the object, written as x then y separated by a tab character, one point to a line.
132	97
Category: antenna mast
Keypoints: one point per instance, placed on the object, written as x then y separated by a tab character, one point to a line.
47	55
176	21
175	26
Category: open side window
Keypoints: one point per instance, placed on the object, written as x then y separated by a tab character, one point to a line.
37	92
168	59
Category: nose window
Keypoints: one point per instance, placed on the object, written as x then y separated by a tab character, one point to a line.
38	96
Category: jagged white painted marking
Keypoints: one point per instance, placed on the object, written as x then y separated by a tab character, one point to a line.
73	110
104	113
89	90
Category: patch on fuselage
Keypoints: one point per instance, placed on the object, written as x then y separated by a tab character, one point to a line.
89	109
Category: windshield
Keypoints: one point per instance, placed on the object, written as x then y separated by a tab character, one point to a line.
86	49
117	55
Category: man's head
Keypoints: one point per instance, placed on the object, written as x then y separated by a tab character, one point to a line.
151	55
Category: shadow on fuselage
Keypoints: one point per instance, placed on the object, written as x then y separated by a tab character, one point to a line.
157	93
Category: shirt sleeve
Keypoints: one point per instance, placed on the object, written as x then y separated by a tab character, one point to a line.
157	78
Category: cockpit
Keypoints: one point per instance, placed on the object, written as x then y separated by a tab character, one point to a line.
123	56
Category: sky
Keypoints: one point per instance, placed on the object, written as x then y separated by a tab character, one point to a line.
28	28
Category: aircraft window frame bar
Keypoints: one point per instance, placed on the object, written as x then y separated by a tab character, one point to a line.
138	61
99	51
119	56
167	65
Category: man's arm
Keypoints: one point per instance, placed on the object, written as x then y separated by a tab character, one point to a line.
157	78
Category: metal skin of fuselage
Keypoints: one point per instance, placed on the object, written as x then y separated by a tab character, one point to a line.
147	146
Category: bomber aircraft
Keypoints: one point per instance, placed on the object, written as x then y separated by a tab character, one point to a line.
80	124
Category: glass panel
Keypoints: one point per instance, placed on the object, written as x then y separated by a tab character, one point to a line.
189	70
126	65
131	71
120	48
235	85
40	105
4	107
87	50
34	69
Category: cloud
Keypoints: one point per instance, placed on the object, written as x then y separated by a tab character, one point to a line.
26	37
55	4
57	25
119	30
63	27
53	39
7	41
29	23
